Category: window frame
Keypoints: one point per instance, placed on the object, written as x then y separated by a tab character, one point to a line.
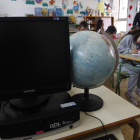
122	19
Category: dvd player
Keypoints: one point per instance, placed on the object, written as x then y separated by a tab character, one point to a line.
58	114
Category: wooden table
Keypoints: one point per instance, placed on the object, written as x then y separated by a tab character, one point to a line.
130	57
116	132
115	112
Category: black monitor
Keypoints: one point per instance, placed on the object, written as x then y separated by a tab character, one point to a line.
34	56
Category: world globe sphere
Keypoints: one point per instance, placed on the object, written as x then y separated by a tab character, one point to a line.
93	59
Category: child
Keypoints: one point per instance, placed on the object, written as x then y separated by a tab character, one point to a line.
83	26
100	25
137	19
111	30
126	46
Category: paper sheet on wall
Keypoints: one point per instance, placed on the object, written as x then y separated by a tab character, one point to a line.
76	7
81	6
38	1
52	3
30	2
38	11
44	12
70	11
64	4
51	12
45	3
59	12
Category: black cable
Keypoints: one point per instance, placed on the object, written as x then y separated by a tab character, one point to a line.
99	120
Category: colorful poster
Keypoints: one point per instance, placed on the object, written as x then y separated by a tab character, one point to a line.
51	12
70	11
45	3
52	3
81	6
75	6
44	12
38	1
38	11
59	12
64	4
82	12
30	2
65	1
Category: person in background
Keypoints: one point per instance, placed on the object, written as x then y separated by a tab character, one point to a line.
137	19
83	26
100	25
129	44
111	30
133	28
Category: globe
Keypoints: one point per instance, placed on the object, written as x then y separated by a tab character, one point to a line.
93	59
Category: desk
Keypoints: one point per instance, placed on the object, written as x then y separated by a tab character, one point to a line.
126	56
117	133
115	112
130	57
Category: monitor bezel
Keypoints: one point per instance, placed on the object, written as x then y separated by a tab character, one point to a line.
25	93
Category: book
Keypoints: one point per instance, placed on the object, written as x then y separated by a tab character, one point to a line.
59	12
51	12
38	11
44	12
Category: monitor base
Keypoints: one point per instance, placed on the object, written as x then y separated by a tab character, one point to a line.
28	103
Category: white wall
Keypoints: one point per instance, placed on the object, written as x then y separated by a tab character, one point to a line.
20	8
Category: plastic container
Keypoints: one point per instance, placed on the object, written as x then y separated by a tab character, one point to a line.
78	20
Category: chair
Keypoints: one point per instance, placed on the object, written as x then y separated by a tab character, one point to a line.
120	74
117	41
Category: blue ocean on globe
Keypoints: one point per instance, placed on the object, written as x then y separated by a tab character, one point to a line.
92	59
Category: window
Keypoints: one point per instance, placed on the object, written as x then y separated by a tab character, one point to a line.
123	4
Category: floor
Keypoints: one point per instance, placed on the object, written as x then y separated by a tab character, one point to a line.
126	129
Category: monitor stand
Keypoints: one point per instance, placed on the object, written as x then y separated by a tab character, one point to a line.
88	102
27	103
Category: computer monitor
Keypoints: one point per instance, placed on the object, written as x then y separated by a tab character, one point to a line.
34	56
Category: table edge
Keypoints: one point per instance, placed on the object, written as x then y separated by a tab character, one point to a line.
129	58
99	129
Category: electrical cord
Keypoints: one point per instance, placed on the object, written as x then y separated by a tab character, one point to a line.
99	120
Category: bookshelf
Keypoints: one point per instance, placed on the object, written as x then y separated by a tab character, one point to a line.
92	21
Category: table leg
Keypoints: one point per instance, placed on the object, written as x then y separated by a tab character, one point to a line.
135	125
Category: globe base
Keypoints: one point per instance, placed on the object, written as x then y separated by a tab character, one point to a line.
92	103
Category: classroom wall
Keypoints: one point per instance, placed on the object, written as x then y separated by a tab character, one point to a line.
20	8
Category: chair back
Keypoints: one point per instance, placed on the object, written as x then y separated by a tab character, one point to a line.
117	41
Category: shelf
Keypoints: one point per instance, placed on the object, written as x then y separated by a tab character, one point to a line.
75	24
94	20
73	31
91	23
92	29
98	16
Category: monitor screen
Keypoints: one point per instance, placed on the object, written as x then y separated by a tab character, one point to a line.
34	56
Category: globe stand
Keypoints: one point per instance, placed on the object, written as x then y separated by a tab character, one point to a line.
88	102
